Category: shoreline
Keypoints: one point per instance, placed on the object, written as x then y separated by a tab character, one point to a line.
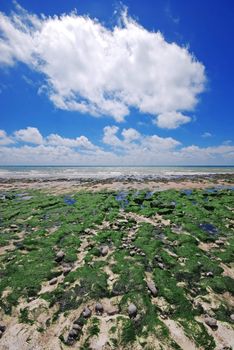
154	183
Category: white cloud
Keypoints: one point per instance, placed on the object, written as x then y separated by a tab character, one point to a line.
110	137
4	139
130	134
125	150
92	69
82	141
171	120
206	134
30	134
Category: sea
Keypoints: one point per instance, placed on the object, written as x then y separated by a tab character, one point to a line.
108	172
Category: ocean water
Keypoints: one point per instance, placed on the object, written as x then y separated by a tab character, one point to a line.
104	172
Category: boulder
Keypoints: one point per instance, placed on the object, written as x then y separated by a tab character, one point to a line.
211	322
132	310
232	317
59	256
152	288
86	312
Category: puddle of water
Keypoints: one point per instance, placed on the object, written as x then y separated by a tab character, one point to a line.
187	192
209	228
69	200
121	197
23	196
149	194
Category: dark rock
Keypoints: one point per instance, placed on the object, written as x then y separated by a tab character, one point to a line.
73	333
104	250
86	312
132	310
2	328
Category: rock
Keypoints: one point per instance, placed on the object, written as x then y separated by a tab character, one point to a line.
1	334
77	327
59	256
2	328
132	310
73	333
132	253
232	317
219	242
53	281
209	274
161	266
66	270
104	250
99	308
137	320
142	254
152	288
13	226
86	312
211	322
112	310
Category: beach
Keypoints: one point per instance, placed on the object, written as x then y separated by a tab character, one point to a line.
130	261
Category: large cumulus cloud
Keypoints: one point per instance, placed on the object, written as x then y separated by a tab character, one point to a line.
101	71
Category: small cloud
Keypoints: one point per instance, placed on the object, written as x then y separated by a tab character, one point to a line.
30	134
4	139
206	134
227	142
171	120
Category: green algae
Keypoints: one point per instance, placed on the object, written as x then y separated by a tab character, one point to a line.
46	224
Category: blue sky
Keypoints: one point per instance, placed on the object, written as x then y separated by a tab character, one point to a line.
116	83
